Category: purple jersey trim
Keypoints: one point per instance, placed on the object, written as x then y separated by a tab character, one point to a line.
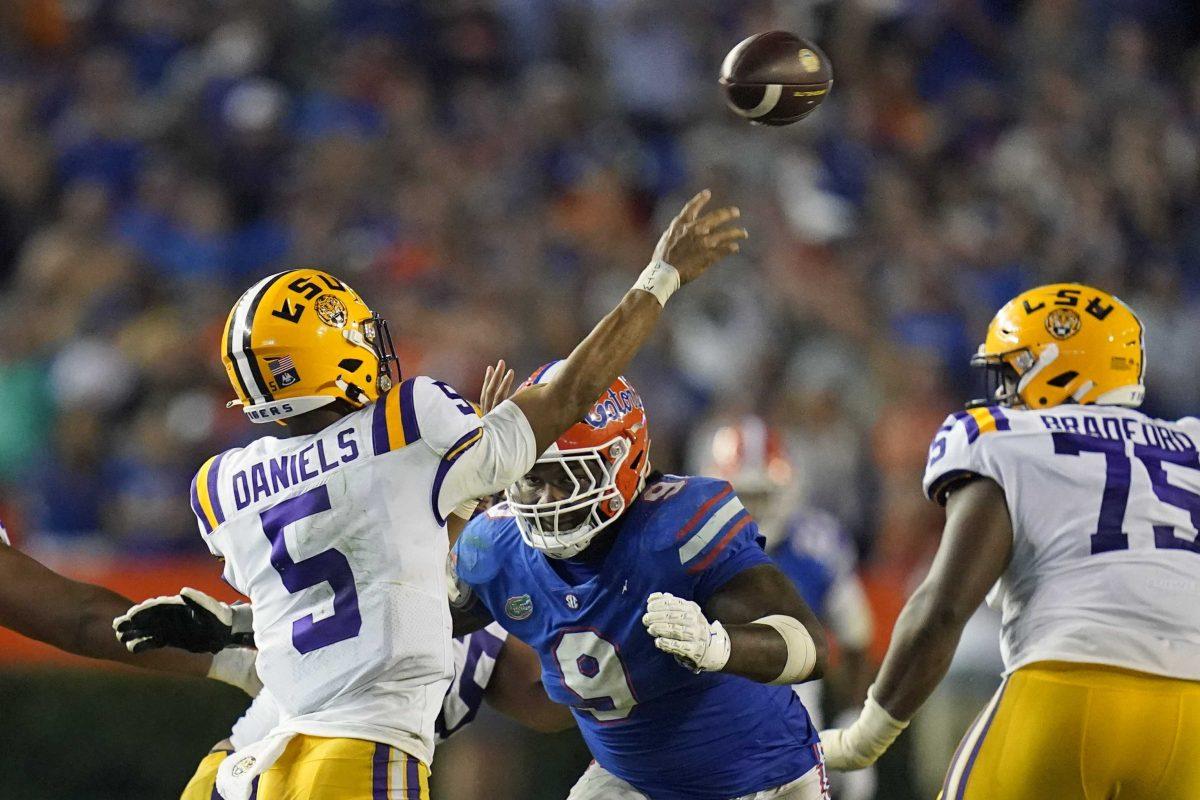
214	496
971	425
199	512
455	450
408	412
379	435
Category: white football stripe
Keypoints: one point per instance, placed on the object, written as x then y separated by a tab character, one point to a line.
770	97
709	530
959	767
240	323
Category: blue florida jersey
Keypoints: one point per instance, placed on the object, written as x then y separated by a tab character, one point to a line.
670	733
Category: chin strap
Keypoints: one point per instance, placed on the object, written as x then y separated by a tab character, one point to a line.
353	393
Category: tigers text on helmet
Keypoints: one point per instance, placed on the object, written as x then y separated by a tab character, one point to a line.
599	466
302	339
1063	343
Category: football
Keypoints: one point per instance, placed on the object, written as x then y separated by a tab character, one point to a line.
775	78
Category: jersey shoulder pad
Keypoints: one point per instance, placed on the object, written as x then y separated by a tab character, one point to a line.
693	516
417	410
205	492
958	445
485	543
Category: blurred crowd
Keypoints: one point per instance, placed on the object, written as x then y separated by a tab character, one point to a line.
492	175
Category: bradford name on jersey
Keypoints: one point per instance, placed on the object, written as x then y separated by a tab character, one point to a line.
671	734
338	540
1105	506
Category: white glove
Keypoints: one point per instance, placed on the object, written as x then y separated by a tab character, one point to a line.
867	738
680	628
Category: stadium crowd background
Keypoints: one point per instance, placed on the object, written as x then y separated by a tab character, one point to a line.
491	175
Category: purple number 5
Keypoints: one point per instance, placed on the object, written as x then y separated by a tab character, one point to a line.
328	566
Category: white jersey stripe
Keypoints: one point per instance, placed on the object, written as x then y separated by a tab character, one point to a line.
238	329
710	529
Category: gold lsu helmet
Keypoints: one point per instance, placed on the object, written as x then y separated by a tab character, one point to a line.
302	339
1063	343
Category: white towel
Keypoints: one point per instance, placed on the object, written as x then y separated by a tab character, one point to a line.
237	773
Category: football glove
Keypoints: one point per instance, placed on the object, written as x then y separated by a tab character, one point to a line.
190	620
864	741
680	628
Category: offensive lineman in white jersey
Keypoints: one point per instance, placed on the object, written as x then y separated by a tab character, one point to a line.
337	533
1083	513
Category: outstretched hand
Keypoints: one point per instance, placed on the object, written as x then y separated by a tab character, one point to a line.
497	385
692	243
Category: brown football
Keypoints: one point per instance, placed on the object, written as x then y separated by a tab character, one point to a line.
775	78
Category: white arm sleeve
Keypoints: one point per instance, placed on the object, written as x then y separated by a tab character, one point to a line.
849	614
492	458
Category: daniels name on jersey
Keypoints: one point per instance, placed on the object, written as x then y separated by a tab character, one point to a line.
1105	505
338	540
672	734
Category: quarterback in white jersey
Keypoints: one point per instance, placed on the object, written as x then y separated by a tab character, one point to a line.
337	532
1081	515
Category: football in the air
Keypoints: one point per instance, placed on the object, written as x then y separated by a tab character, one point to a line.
775	78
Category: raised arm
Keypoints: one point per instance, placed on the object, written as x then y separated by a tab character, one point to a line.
975	550
691	244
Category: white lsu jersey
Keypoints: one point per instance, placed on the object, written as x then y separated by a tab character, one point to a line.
1105	506
338	539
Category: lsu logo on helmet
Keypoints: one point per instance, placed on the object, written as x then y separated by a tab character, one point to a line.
1063	343
301	339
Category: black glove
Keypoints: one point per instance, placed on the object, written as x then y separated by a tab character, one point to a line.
190	620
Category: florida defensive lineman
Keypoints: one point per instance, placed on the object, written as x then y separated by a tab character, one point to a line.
1086	512
618	578
337	533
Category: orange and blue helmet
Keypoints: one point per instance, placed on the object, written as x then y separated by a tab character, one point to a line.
604	459
1063	343
301	339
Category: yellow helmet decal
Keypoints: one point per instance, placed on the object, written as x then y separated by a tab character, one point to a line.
302	339
1062	343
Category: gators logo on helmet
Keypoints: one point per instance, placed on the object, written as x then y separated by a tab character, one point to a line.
301	339
1063	343
605	458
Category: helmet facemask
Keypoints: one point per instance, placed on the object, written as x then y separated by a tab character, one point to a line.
1000	378
589	500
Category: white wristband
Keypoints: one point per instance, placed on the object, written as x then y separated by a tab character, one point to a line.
659	279
801	649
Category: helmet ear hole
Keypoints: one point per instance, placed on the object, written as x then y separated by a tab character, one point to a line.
1061	381
350	364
